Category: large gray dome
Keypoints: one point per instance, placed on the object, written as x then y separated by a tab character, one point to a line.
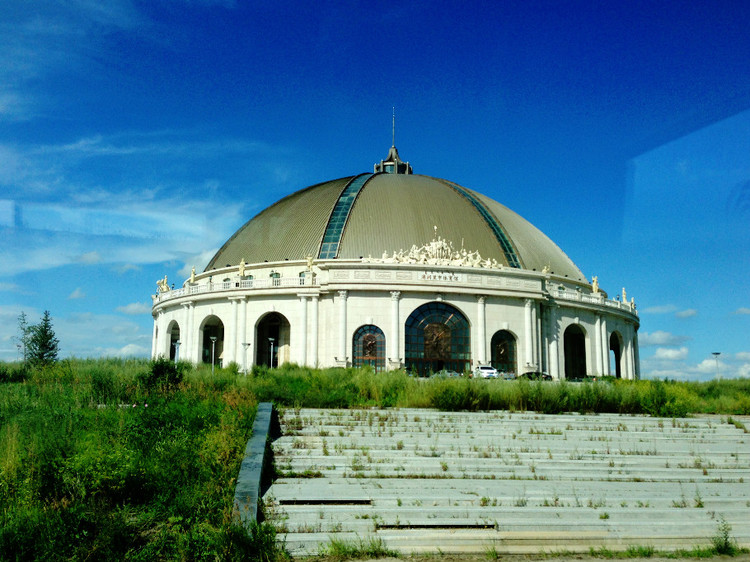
373	214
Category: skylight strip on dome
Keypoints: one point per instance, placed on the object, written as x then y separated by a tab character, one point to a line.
510	253
329	247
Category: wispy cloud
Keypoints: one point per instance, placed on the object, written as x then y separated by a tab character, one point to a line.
671	354
742	310
77	294
135	308
687	313
660	309
63	38
671	309
660	338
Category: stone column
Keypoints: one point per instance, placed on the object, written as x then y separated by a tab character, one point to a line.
636	356
314	331
153	337
528	334
243	333
303	325
341	357
598	345
482	331
185	332
194	353
395	340
605	348
629	359
554	353
535	354
235	330
160	335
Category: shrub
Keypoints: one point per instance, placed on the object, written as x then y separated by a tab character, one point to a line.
163	376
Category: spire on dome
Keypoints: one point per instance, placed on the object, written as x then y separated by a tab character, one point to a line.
393	163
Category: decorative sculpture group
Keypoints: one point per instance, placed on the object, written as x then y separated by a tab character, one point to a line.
162	285
437	252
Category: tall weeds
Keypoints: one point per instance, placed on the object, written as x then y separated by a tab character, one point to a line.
114	459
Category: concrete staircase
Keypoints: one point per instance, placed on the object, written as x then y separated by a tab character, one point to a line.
424	481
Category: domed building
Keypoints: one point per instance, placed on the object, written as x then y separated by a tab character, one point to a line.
396	270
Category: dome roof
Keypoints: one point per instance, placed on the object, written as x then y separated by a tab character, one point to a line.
373	214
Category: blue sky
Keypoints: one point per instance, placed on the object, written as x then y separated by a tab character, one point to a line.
136	137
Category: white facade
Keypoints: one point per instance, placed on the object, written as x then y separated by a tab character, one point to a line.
309	312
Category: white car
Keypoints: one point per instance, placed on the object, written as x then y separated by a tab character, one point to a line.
486	372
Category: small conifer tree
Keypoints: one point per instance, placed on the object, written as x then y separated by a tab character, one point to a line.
24	333
43	346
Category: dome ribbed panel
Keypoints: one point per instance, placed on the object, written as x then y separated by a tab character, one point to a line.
329	247
290	229
534	247
395	211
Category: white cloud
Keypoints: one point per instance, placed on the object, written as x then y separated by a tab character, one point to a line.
11	287
55	38
199	261
742	310
129	350
671	354
742	356
661	309
124	268
660	337
89	258
135	308
687	313
77	294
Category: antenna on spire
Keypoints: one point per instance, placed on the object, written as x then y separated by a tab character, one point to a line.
394	126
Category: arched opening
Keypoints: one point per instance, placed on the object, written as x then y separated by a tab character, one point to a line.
212	341
272	335
503	352
437	337
575	352
615	353
174	340
369	347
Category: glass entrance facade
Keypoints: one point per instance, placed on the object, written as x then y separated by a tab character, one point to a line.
437	337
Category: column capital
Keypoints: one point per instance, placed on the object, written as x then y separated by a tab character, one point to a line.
395	295
529	303
343	294
481	299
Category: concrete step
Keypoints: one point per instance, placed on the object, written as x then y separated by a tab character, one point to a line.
424	481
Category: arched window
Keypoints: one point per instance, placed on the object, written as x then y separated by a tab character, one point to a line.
273	337
615	353
275	278
503	352
437	337
369	347
174	339
212	349
575	352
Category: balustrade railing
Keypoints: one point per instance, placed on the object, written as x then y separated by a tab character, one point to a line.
282	282
235	284
593	299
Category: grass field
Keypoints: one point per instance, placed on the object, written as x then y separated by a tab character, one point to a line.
127	459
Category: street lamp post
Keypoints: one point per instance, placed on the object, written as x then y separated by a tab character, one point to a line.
272	340
176	351
245	345
213	352
716	356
